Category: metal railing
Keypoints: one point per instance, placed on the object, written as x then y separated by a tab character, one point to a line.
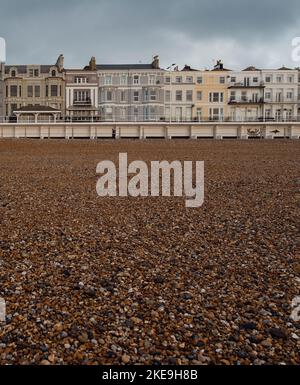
144	119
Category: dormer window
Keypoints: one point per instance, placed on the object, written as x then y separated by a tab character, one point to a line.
53	73
13	73
34	72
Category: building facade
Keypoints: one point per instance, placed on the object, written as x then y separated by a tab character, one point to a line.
211	94
145	92
2	103
180	94
82	94
34	85
281	94
131	92
246	95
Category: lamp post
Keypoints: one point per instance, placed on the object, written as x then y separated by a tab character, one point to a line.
170	89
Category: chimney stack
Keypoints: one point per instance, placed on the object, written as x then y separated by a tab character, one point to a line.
93	64
155	62
60	63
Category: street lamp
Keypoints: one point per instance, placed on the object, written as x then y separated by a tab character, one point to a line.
170	88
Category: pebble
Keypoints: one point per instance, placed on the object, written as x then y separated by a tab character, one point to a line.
148	278
125	359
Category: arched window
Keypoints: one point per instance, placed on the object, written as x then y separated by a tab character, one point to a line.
53	73
13	73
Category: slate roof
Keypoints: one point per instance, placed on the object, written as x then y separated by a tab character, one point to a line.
124	67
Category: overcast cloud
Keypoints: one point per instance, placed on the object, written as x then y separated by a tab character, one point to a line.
193	32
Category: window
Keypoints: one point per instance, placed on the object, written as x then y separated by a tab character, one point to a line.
268	79
279	79
233	79
108	80
216	114
152	95
290	79
199	95
178	96
216	97
199	114
244	96
33	72
152	79
13	91
122	113
47	91
136	79
167	79
199	80
54	90
53	73
268	95
13	108
289	95
13	74
178	79
30	91
232	96
189	79
37	91
278	97
168	96
123	80
79	80
189	96
136	96
123	96
255	80
109	96
222	80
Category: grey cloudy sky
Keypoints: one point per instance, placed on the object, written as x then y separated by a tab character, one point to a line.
194	32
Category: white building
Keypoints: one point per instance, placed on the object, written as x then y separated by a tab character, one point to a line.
180	94
281	94
81	94
256	94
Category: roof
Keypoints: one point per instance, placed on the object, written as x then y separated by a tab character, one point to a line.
251	68
22	69
125	67
283	68
188	68
36	109
221	69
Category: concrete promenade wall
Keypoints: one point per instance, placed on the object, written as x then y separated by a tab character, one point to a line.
86	130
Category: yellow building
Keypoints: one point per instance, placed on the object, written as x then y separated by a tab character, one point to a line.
211	94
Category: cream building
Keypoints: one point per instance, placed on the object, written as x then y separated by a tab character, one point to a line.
211	94
180	94
34	92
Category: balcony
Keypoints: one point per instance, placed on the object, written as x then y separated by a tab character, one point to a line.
86	102
246	101
243	85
